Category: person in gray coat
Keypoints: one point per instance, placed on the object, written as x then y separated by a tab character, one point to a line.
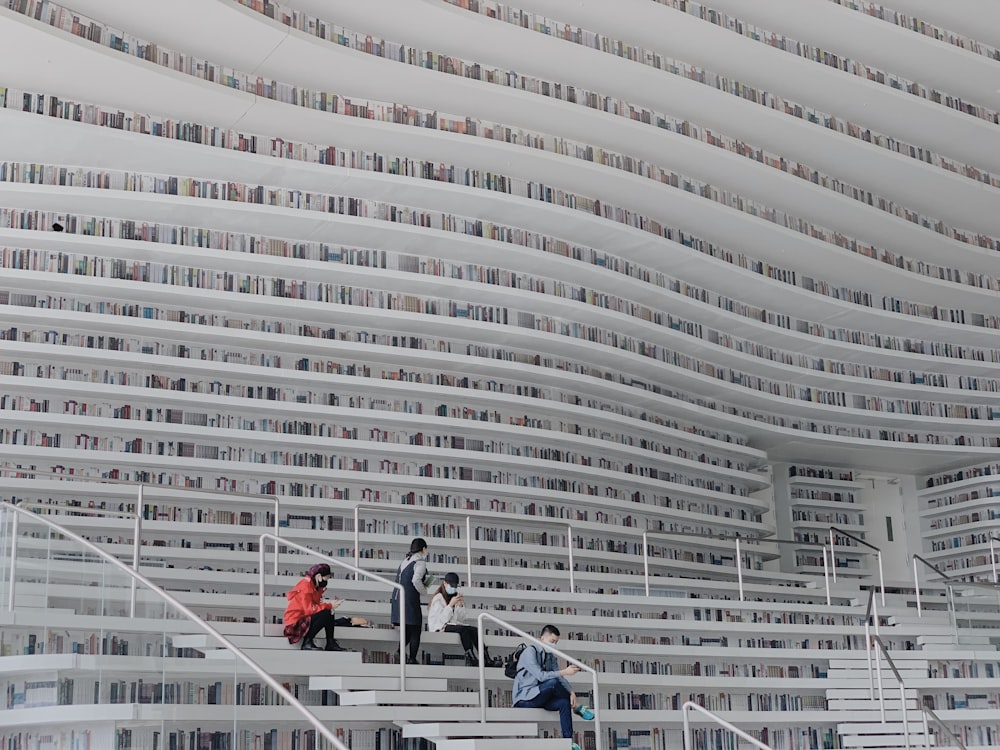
412	574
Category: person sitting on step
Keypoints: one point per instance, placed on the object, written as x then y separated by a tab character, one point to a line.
447	613
541	684
307	613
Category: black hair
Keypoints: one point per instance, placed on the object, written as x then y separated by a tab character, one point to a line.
551	629
417	545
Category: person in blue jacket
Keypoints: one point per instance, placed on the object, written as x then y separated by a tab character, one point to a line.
540	683
412	574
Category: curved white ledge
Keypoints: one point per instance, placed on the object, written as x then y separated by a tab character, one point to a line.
127	150
305	60
677	35
717	222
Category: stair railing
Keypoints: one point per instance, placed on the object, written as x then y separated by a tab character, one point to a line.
137	535
237	652
925	712
595	697
859	540
950	582
409	508
542	520
340	564
139	496
690	706
993	557
468	532
720	537
876	646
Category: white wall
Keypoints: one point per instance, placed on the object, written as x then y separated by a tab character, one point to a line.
887	497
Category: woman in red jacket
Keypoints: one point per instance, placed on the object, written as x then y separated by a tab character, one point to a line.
307	614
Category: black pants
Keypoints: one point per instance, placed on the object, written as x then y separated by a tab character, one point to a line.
413	639
468	635
470	639
322	620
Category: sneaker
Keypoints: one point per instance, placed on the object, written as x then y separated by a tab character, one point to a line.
583	712
575	746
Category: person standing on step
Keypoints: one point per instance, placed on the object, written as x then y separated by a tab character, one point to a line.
307	613
447	613
412	574
540	683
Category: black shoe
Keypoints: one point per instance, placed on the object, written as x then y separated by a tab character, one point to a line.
494	661
471	660
334	646
410	660
310	645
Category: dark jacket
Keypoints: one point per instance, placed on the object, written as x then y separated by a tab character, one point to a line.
412	574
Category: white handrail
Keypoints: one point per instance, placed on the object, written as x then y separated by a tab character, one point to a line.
875	640
137	533
688	742
404	508
595	697
237	652
141	485
454	514
347	566
869	545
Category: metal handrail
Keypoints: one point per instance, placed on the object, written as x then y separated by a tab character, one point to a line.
532	520
423	510
859	540
137	534
877	641
950	582
226	643
993	557
141	485
595	698
925	711
692	706
468	532
347	566
721	537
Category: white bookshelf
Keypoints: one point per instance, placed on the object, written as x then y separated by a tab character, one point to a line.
959	512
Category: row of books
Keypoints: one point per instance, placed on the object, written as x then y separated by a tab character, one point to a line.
735	87
611	338
897	261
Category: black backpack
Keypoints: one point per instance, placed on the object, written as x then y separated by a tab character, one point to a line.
511	660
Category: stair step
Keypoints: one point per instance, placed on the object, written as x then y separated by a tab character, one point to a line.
504	743
866	704
320	660
886	742
878	729
364	682
408	697
861	660
863	693
470	729
872	716
245	642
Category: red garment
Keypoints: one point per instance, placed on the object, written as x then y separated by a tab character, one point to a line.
304	601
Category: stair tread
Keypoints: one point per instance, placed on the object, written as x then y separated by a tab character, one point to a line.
408	697
470	729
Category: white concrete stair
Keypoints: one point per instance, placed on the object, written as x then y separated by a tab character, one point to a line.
408	698
444	730
503	743
345	683
850	692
